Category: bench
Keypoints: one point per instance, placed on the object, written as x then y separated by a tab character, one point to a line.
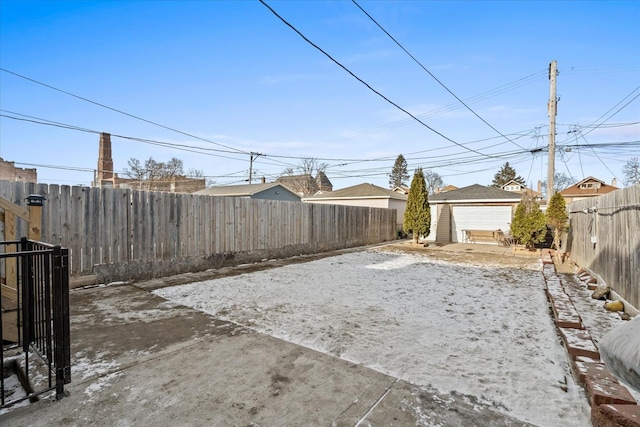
487	236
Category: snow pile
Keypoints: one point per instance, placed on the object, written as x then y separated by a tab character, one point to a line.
620	350
483	331
13	390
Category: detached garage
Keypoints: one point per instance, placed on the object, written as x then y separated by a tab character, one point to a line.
470	208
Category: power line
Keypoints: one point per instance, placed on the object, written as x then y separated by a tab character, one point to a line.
595	125
120	111
454	106
182	147
435	162
431	74
365	83
206	150
592	127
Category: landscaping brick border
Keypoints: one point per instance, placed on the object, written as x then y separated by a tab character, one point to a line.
611	403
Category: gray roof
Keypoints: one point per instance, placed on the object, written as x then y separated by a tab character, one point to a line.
476	192
245	190
322	179
364	191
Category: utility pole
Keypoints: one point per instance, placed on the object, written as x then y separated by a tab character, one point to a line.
252	158
553	110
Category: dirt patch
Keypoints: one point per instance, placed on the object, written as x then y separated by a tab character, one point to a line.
467	254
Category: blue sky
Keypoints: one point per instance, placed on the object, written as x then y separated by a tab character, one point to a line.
235	75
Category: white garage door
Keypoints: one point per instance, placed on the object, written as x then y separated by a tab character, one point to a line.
478	218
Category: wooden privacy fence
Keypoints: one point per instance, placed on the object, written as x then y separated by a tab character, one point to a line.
121	234
604	236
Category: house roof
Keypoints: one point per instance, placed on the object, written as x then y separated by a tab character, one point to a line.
523	189
295	178
401	189
360	191
512	182
245	190
322	180
476	192
576	191
447	188
299	184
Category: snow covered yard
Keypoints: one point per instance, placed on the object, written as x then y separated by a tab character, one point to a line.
476	327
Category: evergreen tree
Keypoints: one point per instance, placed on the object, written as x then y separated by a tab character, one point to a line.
399	174
417	216
528	225
504	175
557	217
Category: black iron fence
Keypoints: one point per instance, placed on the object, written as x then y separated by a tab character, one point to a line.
36	356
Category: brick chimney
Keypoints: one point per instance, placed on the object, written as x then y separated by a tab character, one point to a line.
614	182
104	175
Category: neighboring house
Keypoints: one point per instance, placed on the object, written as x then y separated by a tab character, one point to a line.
475	207
106	178
268	191
172	184
364	195
307	185
9	172
588	187
446	188
402	189
516	187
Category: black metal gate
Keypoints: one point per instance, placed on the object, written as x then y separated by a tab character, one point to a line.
35	320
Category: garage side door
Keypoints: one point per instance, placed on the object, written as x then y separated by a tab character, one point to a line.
478	218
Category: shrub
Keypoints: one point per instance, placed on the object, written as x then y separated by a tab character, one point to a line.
529	225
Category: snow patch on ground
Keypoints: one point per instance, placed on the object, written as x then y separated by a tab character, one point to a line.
13	390
83	367
100	384
478	330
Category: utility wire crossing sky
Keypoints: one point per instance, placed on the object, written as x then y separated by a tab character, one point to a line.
459	88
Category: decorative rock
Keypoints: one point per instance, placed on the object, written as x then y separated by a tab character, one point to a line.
614	306
601	292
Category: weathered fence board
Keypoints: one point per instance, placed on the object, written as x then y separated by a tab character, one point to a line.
105	227
604	236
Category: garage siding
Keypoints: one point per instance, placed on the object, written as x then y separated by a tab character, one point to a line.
478	218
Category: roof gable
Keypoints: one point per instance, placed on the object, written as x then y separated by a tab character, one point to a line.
512	182
590	178
588	186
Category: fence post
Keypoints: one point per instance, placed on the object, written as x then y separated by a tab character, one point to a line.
62	352
27	297
35	203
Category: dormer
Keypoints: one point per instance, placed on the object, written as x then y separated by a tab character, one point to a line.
513	186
